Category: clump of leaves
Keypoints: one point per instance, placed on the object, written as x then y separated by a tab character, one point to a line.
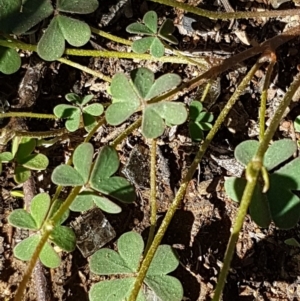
79	111
126	262
95	177
77	33
130	95
23	158
279	203
18	17
40	210
149	28
200	121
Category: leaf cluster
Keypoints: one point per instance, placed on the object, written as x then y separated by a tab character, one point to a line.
40	210
279	204
97	177
18	17
128	95
150	29
199	121
23	158
126	262
79	111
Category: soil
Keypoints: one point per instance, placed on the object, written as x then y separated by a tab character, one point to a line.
264	267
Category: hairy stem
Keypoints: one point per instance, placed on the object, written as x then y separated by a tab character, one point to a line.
152	194
228	15
27	115
264	95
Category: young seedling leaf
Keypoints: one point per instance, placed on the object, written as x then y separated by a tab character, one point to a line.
118	188
196	108
113	290
150	20
163	84
35	162
25	249
89	121
49	257
284	204
85	99
10	60
76	32
130	248
95	109
39	208
20	218
292	242
165	287
275	154
139	28
51	46
164	261
66	175
64	237
196	131
106	164
143	79
166	30
106	205
22	174
83	201
74	98
71	113
77	7
108	262
245	151
82	160
142	45
297	124
26	146
157	48
6	157
152	124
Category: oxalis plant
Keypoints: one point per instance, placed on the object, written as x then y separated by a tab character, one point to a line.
23	159
129	95
125	264
276	202
153	41
93	178
62	236
78	112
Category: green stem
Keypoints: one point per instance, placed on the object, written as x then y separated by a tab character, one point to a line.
253	169
85	69
127	132
43	134
101	122
47	229
228	15
181	192
28	115
110	36
152	195
263	98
